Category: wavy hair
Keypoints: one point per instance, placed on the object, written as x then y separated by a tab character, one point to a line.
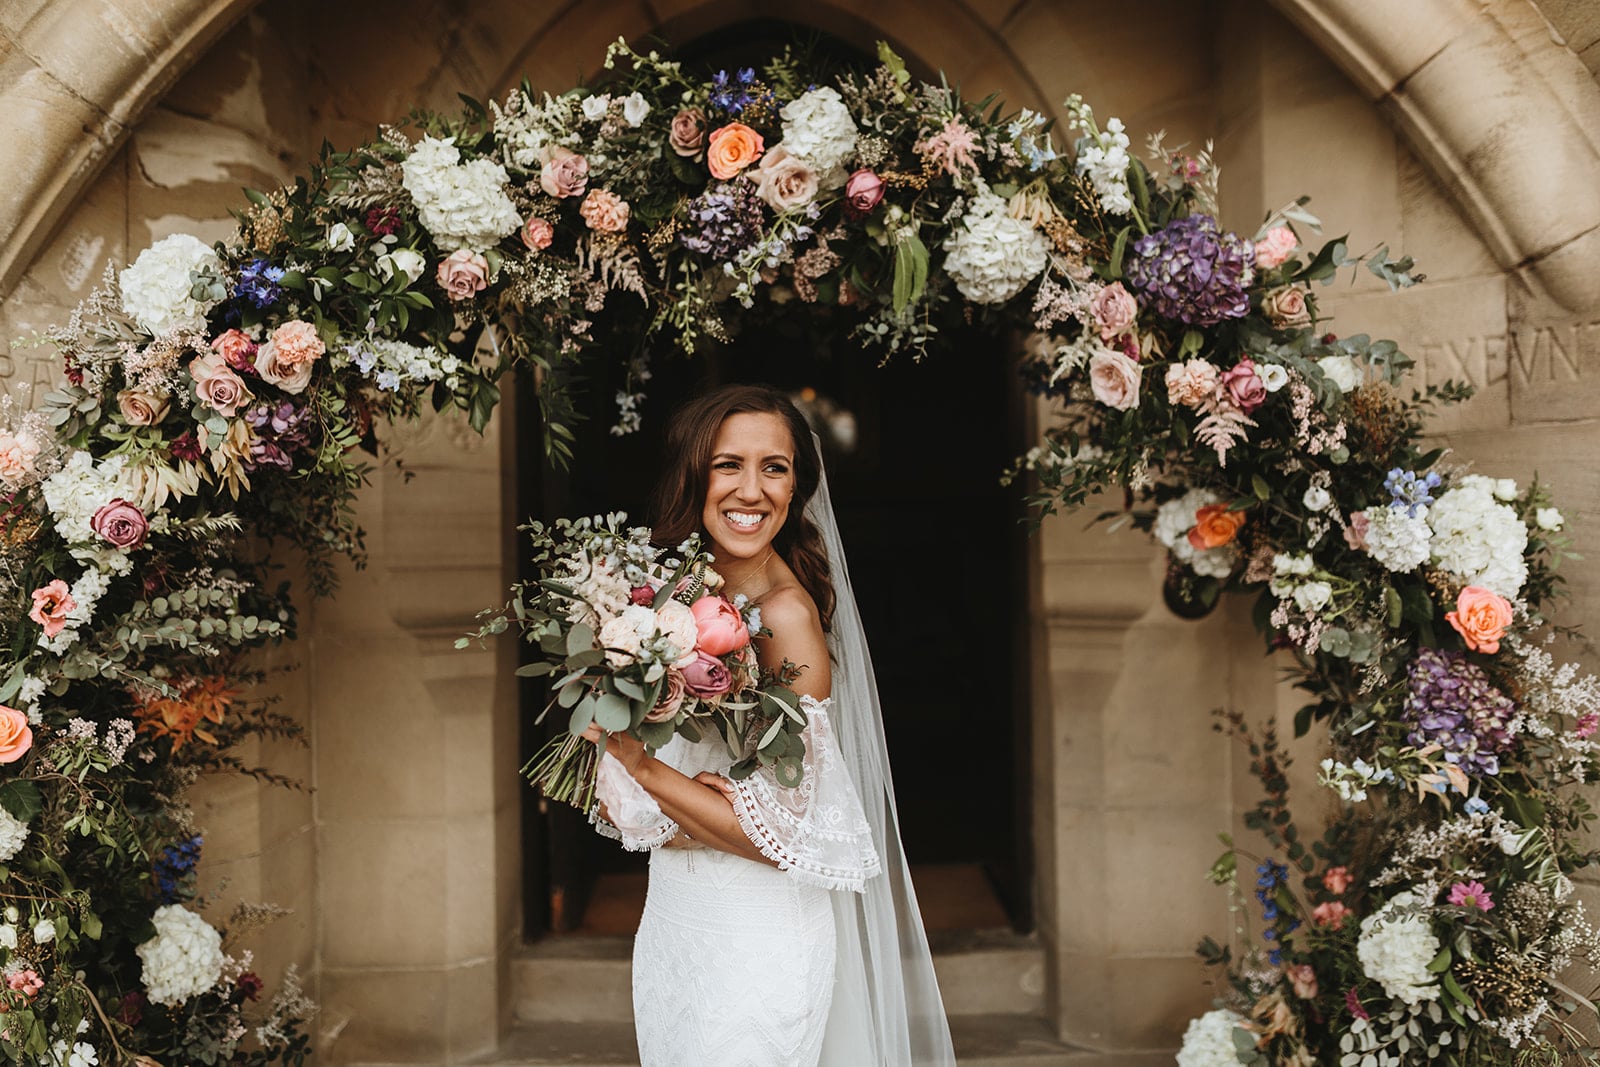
681	494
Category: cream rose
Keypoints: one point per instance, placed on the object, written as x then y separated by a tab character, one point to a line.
1114	310
1114	378
217	386
290	377
785	183
463	274
1286	307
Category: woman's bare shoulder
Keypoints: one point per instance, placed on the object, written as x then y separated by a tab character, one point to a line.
796	635
789	608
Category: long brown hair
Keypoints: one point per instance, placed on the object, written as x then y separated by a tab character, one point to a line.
681	494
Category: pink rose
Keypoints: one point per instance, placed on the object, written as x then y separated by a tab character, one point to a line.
1286	307
217	386
292	378
463	274
1355	534
537	233
720	627
671	698
784	182
688	133
565	174
237	349
863	191
1114	378
706	676
16	736
141	408
120	524
604	211
1336	880
1275	246
1191	383
296	341
51	604
1330	914
1114	310
18	453
1244	386
1303	977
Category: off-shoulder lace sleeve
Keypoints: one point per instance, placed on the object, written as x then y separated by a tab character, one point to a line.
635	819
816	830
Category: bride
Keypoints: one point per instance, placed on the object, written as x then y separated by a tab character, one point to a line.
780	927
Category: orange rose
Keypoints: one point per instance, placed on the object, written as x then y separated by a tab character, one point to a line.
16	736
1481	618
733	147
1215	526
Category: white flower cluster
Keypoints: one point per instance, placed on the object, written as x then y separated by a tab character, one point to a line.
1208	1042
13	835
1102	157
183	959
523	127
1292	578
1478	539
1395	951
463	205
1396	539
156	288
1175	519
79	489
818	131
661	635
1352	779
390	362
81	1054
601	588
992	256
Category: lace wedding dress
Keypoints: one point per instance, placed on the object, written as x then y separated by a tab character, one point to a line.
734	962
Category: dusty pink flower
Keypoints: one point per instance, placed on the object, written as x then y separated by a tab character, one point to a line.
706	676
1274	247
141	408
784	182
1286	307
236	348
296	341
688	133
565	174
951	147
463	274
217	386
1114	310
27	982
1587	725
120	524
863	191
604	211
537	233
1352	1001
1114	378
1244	386
1330	914
1191	383
1303	977
1355	534
673	691
51	603
1336	880
1471	895
292	378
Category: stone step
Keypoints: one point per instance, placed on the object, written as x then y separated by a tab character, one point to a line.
980	1040
587	979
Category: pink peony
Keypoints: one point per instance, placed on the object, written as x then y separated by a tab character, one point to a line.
1330	914
1191	383
785	183
721	628
688	133
604	211
463	274
16	736
706	676
295	342
51	603
565	174
237	349
1336	880
1274	247
217	386
863	191
1114	378
673	690
120	524
1471	895
537	233
1355	534
1114	310
1244	386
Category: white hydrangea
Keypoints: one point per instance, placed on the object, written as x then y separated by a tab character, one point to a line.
1208	1042
13	835
1395	951
79	489
156	288
818	131
992	256
463	205
183	959
1342	371
1175	519
1400	542
1477	539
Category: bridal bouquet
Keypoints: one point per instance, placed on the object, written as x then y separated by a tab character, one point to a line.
640	639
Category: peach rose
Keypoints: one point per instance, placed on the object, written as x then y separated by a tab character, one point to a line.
18	453
1481	618
604	211
1191	383
295	342
16	736
51	604
1286	307
537	233
1275	246
688	133
732	148
1215	526
565	174
1114	378
141	408
236	348
1330	914
292	378
721	628
671	699
217	386
463	274
784	182
1336	880
1114	310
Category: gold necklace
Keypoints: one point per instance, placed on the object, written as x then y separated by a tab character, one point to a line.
737	590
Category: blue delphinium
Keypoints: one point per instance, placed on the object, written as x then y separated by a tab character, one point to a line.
174	867
1270	876
1410	492
1192	272
732	94
258	283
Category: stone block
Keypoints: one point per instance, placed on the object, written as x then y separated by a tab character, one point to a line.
385	1016
1553	357
1153	999
1149	851
384	897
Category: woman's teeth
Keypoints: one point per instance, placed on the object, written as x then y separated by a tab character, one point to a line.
744	519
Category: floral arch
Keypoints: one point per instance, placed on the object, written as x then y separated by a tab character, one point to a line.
219	390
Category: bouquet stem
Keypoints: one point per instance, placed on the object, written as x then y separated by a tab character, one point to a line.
564	770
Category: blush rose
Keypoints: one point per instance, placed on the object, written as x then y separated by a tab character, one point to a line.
141	408
217	386
564	174
1286	307
1114	378
120	524
1114	310
688	133
784	182
1274	247
673	690
537	233
463	274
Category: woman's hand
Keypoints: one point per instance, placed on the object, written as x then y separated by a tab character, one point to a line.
625	747
717	782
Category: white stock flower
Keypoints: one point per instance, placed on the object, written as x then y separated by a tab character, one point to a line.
156	288
340	239
1395	951
183	959
1103	159
1398	541
44	931
13	835
818	131
992	256
1477	540
1208	1042
1342	371
463	205
634	109
1549	519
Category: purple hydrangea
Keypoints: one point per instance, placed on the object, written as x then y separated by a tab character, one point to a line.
724	220
1192	272
280	429
1451	702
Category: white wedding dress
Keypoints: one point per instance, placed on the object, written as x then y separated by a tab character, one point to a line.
734	961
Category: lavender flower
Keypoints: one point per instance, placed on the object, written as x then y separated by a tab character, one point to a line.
258	283
1193	273
724	220
1450	702
1409	491
280	429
